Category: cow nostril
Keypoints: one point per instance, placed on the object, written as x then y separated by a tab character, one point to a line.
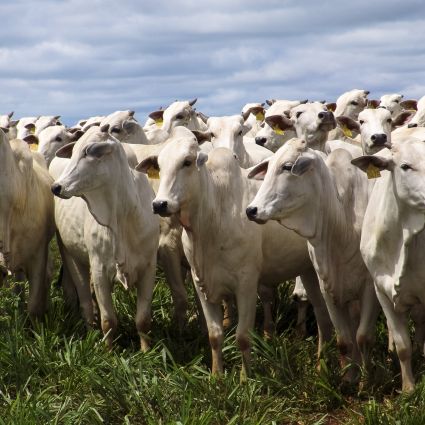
56	189
321	115
260	141
412	124
379	139
251	212
159	207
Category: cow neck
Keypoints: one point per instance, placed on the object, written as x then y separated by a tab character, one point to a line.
316	140
394	227
211	213
334	248
15	183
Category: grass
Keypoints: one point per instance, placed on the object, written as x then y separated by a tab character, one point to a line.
57	373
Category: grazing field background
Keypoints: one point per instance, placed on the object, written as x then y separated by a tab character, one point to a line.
56	372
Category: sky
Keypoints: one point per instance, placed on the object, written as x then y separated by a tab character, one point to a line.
78	58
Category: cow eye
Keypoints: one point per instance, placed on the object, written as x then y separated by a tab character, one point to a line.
297	115
187	163
58	139
240	133
213	135
179	116
389	120
361	122
354	102
115	130
396	101
405	167
287	166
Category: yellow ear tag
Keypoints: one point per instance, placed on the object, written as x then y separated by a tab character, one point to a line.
372	172
32	130
347	132
34	146
277	130
259	116
153	173
159	122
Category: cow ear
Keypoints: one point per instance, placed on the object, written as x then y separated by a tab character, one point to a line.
30	139
402	118
373	103
202	136
202	116
130	125
331	106
409	104
367	161
157	115
13	123
10	114
30	126
301	165
201	159
147	164
279	123
65	151
76	134
98	150
348	125
57	117
270	101
258	172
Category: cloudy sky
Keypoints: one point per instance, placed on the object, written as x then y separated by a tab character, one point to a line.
83	58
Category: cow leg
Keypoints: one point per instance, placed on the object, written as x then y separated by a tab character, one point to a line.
369	311
246	318
418	316
345	338
397	323
145	287
79	278
213	314
324	323
174	273
38	285
267	295
301	326
102	284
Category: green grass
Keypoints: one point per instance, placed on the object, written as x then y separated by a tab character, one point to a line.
57	373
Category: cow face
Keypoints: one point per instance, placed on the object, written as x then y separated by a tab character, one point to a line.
91	164
351	103
375	129
286	186
312	122
178	164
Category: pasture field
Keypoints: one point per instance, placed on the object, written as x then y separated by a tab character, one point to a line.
57	373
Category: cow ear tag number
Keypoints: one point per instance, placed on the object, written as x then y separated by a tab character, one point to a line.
372	172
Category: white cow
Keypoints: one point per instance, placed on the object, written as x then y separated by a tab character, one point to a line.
351	103
395	104
311	121
107	230
26	128
125	127
8	125
253	115
228	132
273	138
228	255
323	199
179	113
44	122
393	240
418	119
26	218
52	138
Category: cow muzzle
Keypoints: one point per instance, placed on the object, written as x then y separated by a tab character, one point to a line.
160	207
56	189
252	214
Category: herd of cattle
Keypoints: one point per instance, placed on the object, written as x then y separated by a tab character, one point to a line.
332	194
